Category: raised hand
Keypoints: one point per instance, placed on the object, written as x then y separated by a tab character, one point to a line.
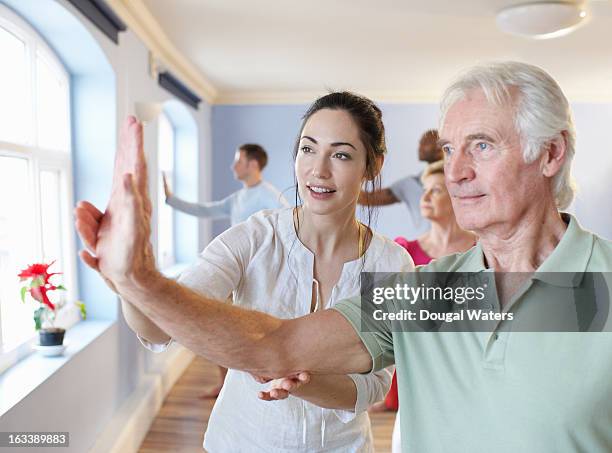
167	190
117	240
280	389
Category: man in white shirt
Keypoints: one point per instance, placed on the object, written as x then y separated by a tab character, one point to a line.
256	194
408	190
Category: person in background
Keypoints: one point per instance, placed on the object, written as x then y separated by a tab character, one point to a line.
256	194
445	237
409	189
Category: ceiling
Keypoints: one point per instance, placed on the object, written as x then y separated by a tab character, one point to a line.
391	50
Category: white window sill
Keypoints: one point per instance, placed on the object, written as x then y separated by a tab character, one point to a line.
22	378
12	354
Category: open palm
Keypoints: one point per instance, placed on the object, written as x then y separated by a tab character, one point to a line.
117	240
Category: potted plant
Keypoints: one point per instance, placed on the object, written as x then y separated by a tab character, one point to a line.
38	285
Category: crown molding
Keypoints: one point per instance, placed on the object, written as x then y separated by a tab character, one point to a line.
306	97
387	97
268	97
138	18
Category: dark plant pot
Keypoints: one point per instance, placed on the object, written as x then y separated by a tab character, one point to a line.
52	336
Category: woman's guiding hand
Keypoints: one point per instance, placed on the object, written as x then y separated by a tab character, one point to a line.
281	388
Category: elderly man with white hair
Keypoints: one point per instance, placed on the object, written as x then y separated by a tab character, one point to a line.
507	133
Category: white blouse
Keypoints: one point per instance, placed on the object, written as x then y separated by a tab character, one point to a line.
262	264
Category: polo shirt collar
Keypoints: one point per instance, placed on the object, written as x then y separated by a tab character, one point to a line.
570	256
474	260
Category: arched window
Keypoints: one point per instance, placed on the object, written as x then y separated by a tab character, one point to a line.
165	218
183	152
35	171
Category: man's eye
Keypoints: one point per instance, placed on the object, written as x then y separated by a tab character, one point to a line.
447	149
482	146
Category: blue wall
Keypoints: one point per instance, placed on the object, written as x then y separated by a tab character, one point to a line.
593	167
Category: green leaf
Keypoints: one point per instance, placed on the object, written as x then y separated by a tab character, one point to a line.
24	290
38	313
36	282
82	308
61	287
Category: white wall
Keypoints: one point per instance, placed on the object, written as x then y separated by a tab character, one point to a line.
593	167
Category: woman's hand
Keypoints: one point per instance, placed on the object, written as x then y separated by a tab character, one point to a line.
280	389
167	191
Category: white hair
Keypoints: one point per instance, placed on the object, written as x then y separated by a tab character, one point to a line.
542	112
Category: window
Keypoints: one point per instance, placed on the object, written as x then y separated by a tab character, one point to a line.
165	217
35	172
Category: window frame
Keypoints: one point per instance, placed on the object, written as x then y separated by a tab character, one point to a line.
164	116
42	159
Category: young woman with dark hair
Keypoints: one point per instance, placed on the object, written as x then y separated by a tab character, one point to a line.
291	262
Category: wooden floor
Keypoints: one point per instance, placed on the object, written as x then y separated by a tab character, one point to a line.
179	427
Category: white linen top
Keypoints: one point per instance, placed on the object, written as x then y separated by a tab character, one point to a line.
263	265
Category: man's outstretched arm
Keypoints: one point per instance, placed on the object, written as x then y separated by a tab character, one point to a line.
320	343
211	209
119	249
378	197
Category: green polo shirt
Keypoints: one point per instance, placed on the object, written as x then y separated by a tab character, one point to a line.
503	391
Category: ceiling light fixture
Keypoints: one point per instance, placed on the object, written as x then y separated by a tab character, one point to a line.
542	20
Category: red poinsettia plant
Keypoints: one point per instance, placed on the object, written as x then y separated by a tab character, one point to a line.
39	287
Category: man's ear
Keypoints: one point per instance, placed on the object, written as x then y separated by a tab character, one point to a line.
253	165
554	155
